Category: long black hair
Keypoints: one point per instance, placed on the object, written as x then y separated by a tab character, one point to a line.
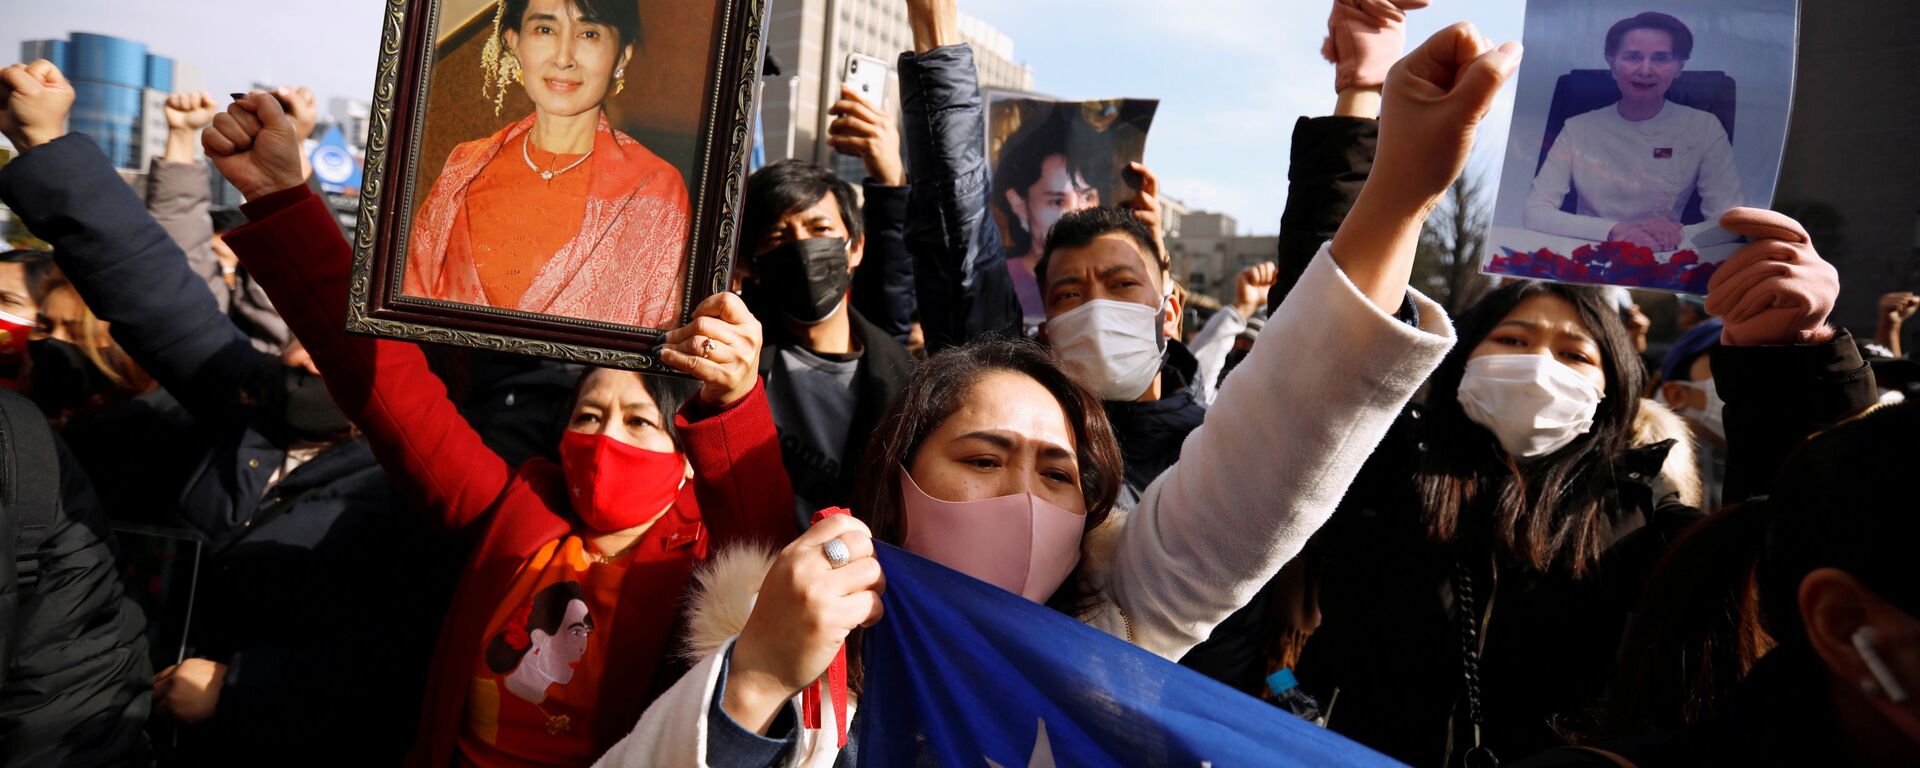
1727	593
1551	512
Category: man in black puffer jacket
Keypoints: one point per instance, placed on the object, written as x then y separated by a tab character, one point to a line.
74	674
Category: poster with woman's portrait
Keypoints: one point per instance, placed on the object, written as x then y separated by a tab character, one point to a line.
554	177
1636	125
1051	158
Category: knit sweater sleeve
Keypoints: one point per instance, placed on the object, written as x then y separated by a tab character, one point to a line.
1286	436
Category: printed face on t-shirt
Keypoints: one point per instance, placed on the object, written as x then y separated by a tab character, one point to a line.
553	656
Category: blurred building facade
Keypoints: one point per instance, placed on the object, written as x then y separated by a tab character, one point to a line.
120	92
812	38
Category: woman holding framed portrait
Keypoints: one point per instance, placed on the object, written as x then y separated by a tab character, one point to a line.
558	213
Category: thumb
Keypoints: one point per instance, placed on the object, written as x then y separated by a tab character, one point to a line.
1760	223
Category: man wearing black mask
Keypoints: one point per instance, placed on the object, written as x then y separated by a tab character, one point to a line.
829	372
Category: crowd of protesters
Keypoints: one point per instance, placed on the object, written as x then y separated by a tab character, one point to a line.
1506	536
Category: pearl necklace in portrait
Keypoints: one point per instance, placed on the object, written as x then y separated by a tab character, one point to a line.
547	175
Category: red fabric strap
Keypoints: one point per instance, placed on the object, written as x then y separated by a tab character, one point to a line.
835	680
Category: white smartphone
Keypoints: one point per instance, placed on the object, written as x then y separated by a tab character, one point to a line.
867	76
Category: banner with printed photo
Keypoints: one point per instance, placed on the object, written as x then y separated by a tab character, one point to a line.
1051	158
1636	125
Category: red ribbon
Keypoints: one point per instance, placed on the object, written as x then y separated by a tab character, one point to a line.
835	680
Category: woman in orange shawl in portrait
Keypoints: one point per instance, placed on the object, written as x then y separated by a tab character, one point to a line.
558	213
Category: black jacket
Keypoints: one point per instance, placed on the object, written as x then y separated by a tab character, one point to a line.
959	264
883	285
882	372
75	680
323	594
1152	432
1390	641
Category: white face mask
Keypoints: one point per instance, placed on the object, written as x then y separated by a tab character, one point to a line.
1115	346
1532	403
1709	418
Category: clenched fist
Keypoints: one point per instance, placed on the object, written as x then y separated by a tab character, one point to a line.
35	100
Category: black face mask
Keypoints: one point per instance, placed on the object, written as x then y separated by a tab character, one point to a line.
804	279
63	377
298	406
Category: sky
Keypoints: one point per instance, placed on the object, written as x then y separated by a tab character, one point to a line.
1231	75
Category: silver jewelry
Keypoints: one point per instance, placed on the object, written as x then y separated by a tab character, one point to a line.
547	175
836	552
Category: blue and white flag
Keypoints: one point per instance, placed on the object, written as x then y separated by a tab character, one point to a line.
962	673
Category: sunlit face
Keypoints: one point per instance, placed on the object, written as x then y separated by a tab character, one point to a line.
555	655
1679	397
566	64
1645	65
1112	267
14	298
1009	436
1549	326
66	317
617	404
1056	193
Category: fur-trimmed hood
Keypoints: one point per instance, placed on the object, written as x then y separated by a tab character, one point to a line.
1680	473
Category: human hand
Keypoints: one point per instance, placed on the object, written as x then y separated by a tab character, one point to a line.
801	618
1657	232
35	100
189	692
1774	290
255	146
190	111
302	106
1435	99
1251	287
863	131
1364	39
1633	232
720	348
1896	307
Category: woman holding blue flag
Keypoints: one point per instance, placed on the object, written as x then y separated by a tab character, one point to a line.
995	464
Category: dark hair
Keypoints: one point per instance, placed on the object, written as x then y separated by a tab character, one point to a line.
622	15
1553	511
1080	228
1682	37
938	388
38	266
790	186
549	608
1018	168
669	394
1728	590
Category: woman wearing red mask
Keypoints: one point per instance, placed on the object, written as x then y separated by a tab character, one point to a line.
555	642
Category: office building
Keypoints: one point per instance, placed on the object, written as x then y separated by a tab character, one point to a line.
812	38
1209	252
120	92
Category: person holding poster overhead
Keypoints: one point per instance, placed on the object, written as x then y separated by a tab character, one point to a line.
1634	165
558	213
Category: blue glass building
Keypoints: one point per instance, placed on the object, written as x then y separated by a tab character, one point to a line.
109	76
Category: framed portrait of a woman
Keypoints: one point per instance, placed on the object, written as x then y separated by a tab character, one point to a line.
554	177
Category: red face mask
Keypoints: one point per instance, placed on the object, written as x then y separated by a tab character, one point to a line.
615	486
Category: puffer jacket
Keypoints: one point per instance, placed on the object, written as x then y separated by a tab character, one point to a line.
1389	638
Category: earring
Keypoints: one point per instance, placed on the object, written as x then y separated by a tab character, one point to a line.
619	80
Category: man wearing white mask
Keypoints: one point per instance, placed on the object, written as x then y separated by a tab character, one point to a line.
1686	386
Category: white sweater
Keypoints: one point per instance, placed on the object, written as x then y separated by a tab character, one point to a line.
1629	171
1326	379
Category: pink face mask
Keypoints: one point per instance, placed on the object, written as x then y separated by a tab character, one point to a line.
1020	543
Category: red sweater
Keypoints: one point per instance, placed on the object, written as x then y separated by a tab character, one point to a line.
294	249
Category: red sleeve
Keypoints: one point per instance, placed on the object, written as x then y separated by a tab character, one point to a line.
742	486
294	249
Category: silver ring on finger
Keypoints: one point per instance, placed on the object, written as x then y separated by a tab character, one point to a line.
836	552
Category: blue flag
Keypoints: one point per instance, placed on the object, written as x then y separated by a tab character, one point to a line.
962	673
